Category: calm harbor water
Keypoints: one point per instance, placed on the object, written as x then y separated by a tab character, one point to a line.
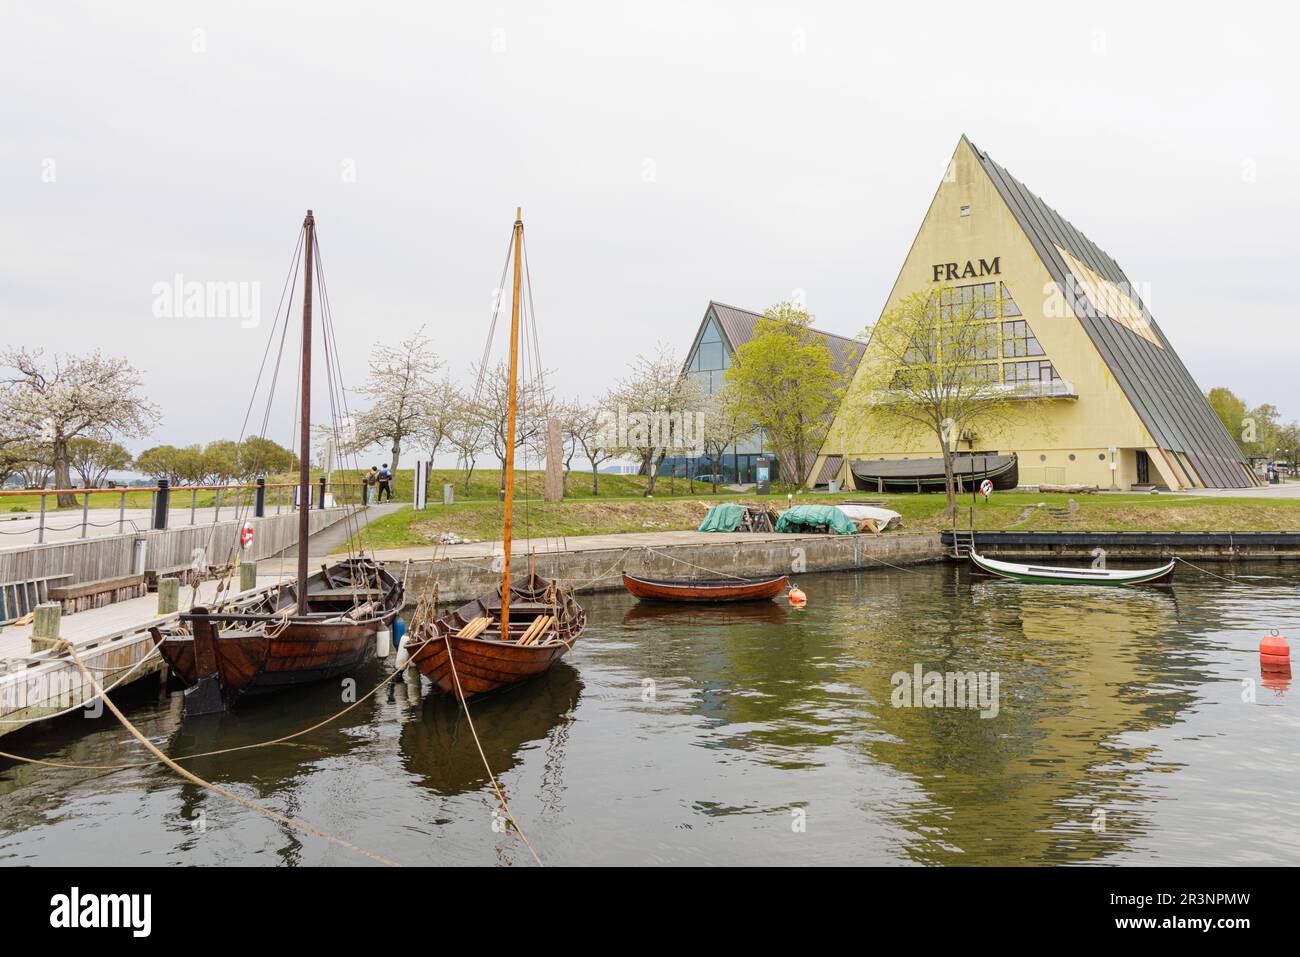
1125	733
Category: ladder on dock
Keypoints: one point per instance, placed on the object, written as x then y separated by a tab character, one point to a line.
963	539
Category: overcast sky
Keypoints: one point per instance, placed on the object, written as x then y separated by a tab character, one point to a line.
664	154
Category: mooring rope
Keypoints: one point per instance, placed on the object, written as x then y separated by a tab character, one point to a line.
215	788
1206	571
283	739
501	795
75	707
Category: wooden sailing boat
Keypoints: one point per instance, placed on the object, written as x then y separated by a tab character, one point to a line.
320	627
521	628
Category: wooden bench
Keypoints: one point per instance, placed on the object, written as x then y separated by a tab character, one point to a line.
96	594
18	599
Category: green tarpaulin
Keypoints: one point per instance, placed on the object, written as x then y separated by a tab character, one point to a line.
807	518
722	518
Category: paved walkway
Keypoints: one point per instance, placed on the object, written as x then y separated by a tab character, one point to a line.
617	540
328	540
64	525
1282	490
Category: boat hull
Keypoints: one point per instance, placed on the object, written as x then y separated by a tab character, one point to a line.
712	592
251	648
487	663
1049	575
927	475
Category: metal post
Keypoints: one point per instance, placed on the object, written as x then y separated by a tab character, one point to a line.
216	508
259	499
194	501
121	513
40	530
85	513
322	492
161	501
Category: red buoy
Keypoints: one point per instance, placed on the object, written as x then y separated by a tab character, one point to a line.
1274	654
797	597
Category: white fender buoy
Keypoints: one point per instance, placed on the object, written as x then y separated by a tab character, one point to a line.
383	643
403	656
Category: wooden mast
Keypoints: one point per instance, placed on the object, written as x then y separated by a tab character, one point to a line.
510	429
304	468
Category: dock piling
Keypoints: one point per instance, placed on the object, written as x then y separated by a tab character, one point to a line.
45	625
169	595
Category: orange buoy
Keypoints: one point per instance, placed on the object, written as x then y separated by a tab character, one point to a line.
797	597
1274	653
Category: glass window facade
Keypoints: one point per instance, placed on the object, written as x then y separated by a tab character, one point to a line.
998	335
711	359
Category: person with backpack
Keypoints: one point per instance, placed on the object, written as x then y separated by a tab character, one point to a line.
385	483
369	481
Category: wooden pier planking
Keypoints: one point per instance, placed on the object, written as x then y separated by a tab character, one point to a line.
110	640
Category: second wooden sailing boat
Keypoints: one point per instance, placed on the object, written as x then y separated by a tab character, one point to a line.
318	627
519	629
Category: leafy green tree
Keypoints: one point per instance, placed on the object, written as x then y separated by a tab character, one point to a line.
1231	412
163	462
260	456
93	459
220	462
933	372
785	379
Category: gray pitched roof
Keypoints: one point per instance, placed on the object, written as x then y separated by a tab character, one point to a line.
738	326
1162	391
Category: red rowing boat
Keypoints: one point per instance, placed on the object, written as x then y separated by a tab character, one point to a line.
705	590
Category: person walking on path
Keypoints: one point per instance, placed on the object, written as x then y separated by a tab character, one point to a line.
371	479
385	483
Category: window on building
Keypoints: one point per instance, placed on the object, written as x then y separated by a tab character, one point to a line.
1009	307
1018	340
711	358
1021	373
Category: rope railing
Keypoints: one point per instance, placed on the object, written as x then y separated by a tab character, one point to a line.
129	498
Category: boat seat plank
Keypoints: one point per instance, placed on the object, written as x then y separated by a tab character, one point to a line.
474	628
344	592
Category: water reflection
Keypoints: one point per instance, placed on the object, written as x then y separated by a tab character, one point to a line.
1078	669
437	747
689	734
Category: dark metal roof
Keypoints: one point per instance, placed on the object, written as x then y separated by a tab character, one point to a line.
1162	391
829	469
738	326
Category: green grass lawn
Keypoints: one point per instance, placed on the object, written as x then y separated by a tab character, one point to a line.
1027	511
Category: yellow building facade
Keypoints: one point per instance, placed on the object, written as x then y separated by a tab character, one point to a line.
1071	328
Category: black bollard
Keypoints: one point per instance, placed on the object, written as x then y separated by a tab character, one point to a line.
259	499
161	502
322	492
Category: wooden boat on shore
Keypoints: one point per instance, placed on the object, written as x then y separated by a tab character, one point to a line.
707	590
266	644
316	628
520	629
1059	575
926	475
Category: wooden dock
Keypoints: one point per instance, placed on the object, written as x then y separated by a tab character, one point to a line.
113	641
